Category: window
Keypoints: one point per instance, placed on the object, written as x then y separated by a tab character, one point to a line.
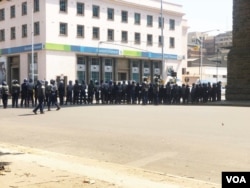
160	41
159	22
2	15
2	35
110	35
12	11
171	42
149	39
63	5
171	24
24	30
24	8
36	6
37	28
149	20
137	38
124	16
137	19
96	11
80	8
124	36
63	28
96	33
12	33
81	68
80	30
110	14
35	62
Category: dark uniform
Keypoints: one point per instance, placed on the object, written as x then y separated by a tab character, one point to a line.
53	96
61	92
5	94
69	90
30	96
24	92
40	96
15	92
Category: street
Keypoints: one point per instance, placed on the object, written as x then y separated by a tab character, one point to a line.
197	142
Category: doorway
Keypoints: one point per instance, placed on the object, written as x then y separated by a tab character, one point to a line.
122	76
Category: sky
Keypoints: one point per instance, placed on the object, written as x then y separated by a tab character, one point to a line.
206	15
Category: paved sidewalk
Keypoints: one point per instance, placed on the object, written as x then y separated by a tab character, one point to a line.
34	168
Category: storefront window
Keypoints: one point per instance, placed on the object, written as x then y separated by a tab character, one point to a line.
30	67
81	68
135	71
95	69
108	69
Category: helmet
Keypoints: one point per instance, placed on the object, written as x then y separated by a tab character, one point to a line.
4	83
52	81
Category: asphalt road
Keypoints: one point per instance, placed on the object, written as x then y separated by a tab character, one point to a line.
197	142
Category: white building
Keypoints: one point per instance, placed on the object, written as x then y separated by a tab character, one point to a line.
91	39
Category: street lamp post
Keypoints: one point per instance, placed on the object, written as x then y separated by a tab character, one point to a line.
32	43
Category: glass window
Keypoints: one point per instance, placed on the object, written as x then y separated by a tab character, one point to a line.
63	28
63	5
124	36
108	72
30	66
149	20
36	6
96	33
24	30
160	22
2	14
13	11
110	35
80	30
124	16
172	24
37	28
171	42
149	39
12	33
137	19
24	8
160	41
137	38
2	35
95	69
81	68
80	8
110	14
135	71
96	11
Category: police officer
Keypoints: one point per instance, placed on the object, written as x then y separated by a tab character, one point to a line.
53	95
69	90
15	91
5	94
61	91
24	92
40	96
30	96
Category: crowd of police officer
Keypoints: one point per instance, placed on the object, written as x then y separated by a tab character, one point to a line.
30	94
140	93
79	93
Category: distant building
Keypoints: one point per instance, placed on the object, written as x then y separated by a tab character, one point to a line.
91	39
214	57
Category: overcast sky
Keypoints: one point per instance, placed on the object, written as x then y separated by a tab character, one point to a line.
205	15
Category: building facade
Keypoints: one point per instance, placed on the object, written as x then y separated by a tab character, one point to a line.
91	39
213	65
